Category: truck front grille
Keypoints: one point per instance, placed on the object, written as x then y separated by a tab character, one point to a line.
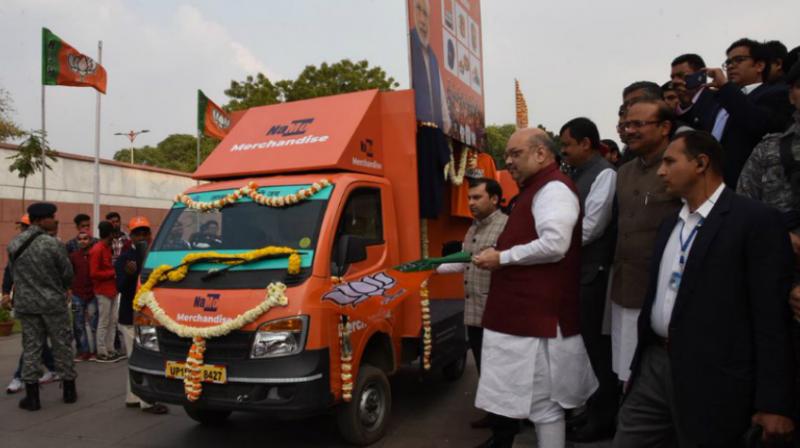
234	346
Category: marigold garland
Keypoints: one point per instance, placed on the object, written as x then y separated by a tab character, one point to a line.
251	190
346	359
275	296
427	339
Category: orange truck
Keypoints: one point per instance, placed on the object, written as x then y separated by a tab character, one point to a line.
269	287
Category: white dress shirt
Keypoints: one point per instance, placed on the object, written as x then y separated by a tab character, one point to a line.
598	206
555	209
670	268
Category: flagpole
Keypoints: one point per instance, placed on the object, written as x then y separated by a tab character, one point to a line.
44	145
197	164
96	200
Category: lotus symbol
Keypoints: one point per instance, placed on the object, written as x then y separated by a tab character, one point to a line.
353	293
82	65
220	119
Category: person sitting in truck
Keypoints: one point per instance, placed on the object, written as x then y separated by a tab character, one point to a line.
175	239
208	237
484	196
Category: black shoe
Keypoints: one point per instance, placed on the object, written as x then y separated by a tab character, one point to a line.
481	423
31	400
70	394
497	442
591	432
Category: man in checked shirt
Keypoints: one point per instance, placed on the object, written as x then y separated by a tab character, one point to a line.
483	197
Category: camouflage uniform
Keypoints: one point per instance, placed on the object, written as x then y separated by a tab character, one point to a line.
763	176
41	276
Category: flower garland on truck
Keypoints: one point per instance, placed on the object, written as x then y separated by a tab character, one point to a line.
275	296
251	190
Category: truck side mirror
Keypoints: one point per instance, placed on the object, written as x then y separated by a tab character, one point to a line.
350	249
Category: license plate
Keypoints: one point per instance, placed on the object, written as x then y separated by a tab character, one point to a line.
210	373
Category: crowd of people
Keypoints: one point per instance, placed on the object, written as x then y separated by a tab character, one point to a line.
78	295
649	293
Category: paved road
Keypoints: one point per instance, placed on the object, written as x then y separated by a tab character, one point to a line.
430	414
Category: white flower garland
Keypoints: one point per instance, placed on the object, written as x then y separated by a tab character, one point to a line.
192	381
427	338
251	190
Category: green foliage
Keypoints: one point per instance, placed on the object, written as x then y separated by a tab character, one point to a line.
497	136
5	315
9	130
327	79
29	158
176	152
258	91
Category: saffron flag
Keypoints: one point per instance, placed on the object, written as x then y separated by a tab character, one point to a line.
522	107
63	65
211	119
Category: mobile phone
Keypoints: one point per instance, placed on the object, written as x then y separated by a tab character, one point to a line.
695	80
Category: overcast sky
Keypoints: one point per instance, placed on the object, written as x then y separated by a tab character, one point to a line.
572	57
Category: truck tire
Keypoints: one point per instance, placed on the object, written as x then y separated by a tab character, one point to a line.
206	417
363	420
455	370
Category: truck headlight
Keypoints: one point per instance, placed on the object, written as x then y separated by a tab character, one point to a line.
147	337
280	338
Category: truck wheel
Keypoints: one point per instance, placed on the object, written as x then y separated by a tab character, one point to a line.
363	420
206	417
455	370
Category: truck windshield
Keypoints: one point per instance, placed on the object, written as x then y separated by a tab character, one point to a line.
242	226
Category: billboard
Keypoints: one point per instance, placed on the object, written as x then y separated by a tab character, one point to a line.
447	66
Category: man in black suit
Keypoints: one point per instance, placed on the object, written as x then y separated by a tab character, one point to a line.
714	351
749	107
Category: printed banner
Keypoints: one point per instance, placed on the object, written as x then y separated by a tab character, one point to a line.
447	66
63	65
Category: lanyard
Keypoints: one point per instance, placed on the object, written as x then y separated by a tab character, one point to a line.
685	244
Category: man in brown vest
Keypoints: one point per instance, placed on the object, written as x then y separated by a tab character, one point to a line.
642	202
534	361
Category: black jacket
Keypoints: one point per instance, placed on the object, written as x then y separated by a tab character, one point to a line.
729	344
766	109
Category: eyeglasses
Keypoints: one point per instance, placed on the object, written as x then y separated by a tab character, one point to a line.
736	60
636	124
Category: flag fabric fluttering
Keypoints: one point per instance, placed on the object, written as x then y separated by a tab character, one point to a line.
212	120
522	107
63	65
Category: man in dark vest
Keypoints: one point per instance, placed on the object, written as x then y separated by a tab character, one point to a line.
642	203
595	179
534	361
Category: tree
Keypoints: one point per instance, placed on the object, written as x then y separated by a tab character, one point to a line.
327	79
176	152
9	130
497	137
28	159
252	92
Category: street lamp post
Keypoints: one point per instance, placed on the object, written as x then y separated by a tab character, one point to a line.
132	136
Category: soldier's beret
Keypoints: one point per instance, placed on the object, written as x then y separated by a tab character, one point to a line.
40	210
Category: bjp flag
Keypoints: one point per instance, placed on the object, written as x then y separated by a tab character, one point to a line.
63	65
211	119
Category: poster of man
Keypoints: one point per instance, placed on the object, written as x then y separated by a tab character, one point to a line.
447	67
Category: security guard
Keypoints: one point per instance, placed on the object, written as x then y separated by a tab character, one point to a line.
42	273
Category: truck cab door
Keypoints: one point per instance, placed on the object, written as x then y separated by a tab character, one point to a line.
362	221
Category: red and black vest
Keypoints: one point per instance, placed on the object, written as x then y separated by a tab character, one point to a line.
535	300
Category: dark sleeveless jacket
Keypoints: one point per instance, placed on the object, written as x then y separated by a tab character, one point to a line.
535	300
598	255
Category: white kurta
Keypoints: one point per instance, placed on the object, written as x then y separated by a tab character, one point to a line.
528	377
624	336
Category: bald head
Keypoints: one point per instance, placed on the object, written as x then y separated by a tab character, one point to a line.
528	151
